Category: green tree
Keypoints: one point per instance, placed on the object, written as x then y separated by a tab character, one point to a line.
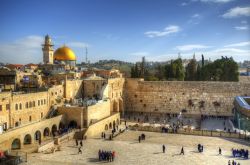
191	70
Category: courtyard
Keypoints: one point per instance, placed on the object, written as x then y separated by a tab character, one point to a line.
129	151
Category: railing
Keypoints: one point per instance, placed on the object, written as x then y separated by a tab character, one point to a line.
193	132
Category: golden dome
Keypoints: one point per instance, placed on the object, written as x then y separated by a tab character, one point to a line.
64	53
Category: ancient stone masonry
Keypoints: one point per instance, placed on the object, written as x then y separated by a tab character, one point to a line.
190	98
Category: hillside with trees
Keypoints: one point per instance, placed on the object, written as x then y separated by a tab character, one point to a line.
224	69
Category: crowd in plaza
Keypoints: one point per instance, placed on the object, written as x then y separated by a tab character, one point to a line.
106	155
233	163
240	153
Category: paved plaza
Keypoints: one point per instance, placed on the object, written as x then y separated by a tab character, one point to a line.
130	152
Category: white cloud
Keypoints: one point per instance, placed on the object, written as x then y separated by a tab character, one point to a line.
168	30
217	1
183	4
241	27
139	54
237	12
244	22
191	47
24	50
196	15
240	44
78	44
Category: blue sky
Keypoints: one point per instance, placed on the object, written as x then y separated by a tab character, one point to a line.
126	29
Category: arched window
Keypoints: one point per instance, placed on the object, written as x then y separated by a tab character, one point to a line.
30	104
27	105
16	106
20	106
34	103
38	102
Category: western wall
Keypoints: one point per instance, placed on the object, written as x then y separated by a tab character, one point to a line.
190	98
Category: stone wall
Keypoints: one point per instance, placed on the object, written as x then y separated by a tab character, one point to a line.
73	89
196	98
102	125
85	116
98	111
93	88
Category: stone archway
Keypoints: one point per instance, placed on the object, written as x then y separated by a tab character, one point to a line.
27	139
72	124
16	144
46	132
38	136
54	130
106	127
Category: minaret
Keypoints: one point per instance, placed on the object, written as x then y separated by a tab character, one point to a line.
48	50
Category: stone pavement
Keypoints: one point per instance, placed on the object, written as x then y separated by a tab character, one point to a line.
130	152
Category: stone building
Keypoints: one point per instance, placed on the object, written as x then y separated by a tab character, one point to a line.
95	102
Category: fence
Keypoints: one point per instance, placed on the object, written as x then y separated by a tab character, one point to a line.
194	132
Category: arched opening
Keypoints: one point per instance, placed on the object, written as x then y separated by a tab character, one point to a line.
16	144
72	124
61	126
46	132
27	139
106	127
113	124
54	130
38	136
110	125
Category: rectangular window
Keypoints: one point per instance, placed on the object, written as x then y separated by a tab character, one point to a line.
30	118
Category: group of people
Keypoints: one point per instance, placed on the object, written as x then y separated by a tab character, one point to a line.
106	155
240	153
233	163
200	148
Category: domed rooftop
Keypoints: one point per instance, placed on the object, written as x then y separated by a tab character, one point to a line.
64	54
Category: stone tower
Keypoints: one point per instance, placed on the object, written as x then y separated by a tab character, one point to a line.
48	50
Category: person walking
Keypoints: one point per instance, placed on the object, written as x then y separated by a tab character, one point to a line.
139	139
219	151
79	150
81	143
163	148
182	151
229	162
